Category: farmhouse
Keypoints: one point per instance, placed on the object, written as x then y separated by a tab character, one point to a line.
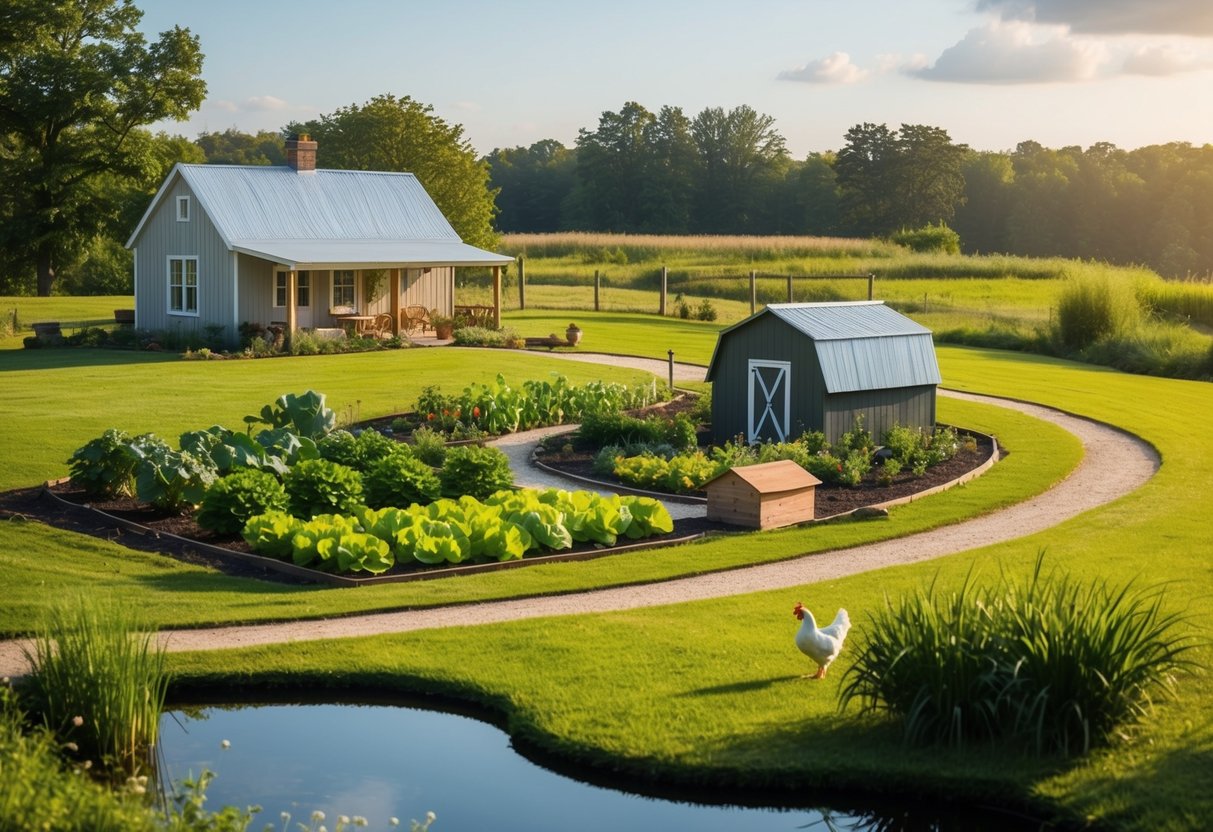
221	245
797	367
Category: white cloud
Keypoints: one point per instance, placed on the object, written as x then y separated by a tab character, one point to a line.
1014	53
835	68
222	104
260	103
1175	17
1164	59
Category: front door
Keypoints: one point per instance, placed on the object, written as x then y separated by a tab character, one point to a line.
770	400
304	319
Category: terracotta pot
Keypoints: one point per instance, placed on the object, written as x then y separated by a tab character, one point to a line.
443	332
573	335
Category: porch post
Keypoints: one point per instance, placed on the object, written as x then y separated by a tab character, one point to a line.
394	288
497	297
292	314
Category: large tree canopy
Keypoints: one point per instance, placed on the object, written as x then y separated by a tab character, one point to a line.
77	80
400	134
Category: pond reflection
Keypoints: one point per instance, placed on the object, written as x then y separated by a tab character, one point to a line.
381	761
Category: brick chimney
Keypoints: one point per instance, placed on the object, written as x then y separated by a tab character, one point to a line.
301	153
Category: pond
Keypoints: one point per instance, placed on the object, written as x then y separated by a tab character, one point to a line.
383	761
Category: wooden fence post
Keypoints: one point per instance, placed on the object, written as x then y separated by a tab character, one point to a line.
753	291
664	286
597	285
789	288
871	281
521	282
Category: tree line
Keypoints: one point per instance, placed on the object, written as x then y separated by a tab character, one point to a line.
729	172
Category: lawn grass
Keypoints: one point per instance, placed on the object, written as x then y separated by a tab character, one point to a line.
71	311
173	594
56	400
709	692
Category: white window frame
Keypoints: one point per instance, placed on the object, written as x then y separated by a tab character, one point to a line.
183	285
303	283
353	287
755	421
183	209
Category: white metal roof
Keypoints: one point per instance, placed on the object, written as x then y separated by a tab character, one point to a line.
843	320
369	254
338	217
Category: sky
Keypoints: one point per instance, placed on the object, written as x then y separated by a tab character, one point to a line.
992	73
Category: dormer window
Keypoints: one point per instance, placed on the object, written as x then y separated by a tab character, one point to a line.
183	209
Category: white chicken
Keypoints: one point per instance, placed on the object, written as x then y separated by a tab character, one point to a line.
824	645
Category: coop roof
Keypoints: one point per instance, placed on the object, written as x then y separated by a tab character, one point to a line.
861	345
771	477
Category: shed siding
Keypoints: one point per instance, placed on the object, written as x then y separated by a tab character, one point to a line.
767	338
162	237
881	409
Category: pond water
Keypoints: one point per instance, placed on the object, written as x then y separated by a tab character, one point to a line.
382	761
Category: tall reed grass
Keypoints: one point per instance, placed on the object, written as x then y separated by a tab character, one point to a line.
98	680
1051	664
639	247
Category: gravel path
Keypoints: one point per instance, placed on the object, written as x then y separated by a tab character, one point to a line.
1114	464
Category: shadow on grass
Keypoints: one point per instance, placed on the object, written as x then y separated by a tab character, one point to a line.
58	358
751	686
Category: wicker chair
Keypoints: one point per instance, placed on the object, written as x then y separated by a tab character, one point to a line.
381	327
416	318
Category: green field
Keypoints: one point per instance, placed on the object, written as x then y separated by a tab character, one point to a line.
705	692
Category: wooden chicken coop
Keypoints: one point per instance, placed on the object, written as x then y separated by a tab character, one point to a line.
764	496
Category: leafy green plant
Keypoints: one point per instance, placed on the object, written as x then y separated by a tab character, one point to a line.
399	480
104	467
98	680
232	500
359	451
230	451
318	486
429	446
929	237
306	415
169	480
1054	664
887	472
334	543
271	533
477	472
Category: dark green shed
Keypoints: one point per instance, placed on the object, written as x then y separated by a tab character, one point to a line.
796	367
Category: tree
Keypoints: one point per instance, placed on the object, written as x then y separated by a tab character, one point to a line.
671	164
76	81
612	164
533	183
866	170
400	134
742	159
904	179
232	147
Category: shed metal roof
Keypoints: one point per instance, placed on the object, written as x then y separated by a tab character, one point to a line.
331	217
861	345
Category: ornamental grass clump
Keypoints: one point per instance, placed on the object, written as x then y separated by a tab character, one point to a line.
98	680
1052	665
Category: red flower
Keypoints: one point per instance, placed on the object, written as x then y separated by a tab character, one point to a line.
457	412
446	412
476	412
429	417
840	467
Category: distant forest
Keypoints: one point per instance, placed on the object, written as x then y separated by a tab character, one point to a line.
729	172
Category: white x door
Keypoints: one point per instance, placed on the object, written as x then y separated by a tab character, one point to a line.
770	400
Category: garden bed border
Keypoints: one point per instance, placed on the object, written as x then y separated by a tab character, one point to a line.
995	455
315	576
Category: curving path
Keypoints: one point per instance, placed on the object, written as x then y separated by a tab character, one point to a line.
1114	464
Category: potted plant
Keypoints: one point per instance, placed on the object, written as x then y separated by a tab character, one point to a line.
573	334
444	326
